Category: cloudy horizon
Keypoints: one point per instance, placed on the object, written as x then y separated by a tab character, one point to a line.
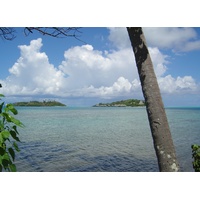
87	75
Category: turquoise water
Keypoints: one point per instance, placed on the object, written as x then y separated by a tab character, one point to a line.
64	139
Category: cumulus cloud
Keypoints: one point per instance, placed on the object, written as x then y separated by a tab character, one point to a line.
177	39
96	73
122	87
87	72
111	74
86	66
168	84
32	74
108	73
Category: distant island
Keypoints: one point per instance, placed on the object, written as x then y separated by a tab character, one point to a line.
38	103
122	103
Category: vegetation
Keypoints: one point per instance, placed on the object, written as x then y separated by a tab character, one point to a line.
122	103
196	156
37	103
8	136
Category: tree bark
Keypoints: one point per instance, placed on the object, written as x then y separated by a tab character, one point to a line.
162	139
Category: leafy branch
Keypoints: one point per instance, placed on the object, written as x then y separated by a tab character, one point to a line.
9	136
196	156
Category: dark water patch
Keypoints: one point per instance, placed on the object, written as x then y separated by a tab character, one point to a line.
33	156
116	163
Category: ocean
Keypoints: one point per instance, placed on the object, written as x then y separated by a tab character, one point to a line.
62	139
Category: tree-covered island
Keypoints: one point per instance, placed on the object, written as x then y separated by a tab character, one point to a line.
38	103
122	103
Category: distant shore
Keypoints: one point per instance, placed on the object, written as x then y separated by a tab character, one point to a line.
122	103
39	104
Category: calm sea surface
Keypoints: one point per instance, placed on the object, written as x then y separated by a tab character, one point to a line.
59	139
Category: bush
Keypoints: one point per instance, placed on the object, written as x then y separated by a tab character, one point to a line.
8	136
196	156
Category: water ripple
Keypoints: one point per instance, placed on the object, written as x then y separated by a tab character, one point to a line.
107	140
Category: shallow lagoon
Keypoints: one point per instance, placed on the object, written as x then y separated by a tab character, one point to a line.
100	139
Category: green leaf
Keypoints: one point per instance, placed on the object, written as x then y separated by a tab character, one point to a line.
12	168
14	135
15	128
2	151
6	157
1	95
5	163
6	160
1	106
1	139
10	118
195	147
11	108
16	146
5	134
198	154
7	116
12	153
16	121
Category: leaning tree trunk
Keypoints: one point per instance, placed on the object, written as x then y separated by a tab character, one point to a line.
160	130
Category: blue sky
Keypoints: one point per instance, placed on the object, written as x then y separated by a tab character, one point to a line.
180	63
100	69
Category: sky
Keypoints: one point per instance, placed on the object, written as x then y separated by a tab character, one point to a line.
175	54
100	66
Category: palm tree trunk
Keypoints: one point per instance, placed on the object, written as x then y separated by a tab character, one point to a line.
162	139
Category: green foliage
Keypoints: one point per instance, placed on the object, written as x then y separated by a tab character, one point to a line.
8	136
122	103
38	103
196	156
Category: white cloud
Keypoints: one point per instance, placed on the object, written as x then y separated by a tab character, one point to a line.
119	37
86	72
182	39
168	84
159	61
109	73
86	66
32	73
177	39
122	87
